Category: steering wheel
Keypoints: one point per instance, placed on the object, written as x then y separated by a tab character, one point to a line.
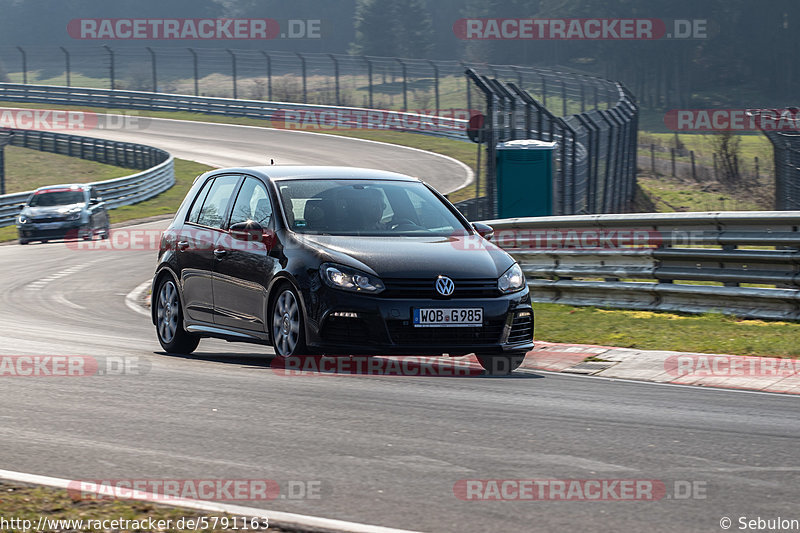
396	224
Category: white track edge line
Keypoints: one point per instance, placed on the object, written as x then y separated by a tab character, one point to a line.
276	518
132	298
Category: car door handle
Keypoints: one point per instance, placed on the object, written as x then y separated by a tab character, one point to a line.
183	245
219	253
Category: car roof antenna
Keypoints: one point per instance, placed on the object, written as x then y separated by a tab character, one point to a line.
271	161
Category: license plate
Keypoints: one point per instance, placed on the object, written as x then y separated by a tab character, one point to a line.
452	317
50	225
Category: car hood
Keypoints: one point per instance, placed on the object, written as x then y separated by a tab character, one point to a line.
460	257
51	210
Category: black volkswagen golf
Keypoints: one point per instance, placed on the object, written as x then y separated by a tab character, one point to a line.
336	261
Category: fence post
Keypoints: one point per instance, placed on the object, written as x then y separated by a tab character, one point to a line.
196	78
269	74
405	82
563	99
544	91
24	65
653	158
369	76
435	84
5	138
672	157
153	66
110	66
756	165
694	170
66	59
303	67
336	76
233	70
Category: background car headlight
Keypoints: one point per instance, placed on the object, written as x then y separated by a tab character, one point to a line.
349	279
512	280
22	219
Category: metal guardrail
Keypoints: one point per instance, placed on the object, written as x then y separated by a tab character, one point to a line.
738	263
291	115
157	174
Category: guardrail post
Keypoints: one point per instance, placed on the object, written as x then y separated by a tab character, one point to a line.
196	78
269	74
111	65
24	65
405	82
233	71
335	76
563	99
544	91
153	66
305	79
66	59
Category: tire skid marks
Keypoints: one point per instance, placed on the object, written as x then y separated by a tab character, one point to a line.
42	283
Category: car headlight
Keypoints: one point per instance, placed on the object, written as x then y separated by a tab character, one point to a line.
512	280
22	219
74	216
349	279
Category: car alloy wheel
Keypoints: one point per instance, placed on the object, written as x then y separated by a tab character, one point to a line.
287	337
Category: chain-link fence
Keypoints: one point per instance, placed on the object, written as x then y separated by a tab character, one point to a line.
593	120
596	153
329	79
786	145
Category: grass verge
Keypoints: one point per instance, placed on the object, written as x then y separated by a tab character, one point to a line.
25	502
709	333
27	169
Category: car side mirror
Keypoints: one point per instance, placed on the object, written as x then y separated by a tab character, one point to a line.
484	230
252	231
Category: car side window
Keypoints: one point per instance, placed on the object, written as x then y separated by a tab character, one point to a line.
252	203
194	212
212	214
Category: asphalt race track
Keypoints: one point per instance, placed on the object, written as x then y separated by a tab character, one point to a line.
387	450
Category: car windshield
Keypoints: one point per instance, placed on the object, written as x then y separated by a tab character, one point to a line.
60	197
366	208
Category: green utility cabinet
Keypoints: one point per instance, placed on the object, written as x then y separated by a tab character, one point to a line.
525	178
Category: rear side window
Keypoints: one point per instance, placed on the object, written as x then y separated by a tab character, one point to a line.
194	213
212	213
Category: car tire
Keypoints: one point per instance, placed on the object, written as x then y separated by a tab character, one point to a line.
287	323
105	234
24	241
169	320
500	365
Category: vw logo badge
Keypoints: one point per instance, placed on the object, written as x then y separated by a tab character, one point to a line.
445	286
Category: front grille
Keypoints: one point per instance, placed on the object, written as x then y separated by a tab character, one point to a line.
424	288
521	329
406	334
43	220
345	330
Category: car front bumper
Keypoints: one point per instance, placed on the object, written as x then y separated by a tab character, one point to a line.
70	229
384	325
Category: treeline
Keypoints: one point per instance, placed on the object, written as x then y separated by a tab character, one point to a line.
748	56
